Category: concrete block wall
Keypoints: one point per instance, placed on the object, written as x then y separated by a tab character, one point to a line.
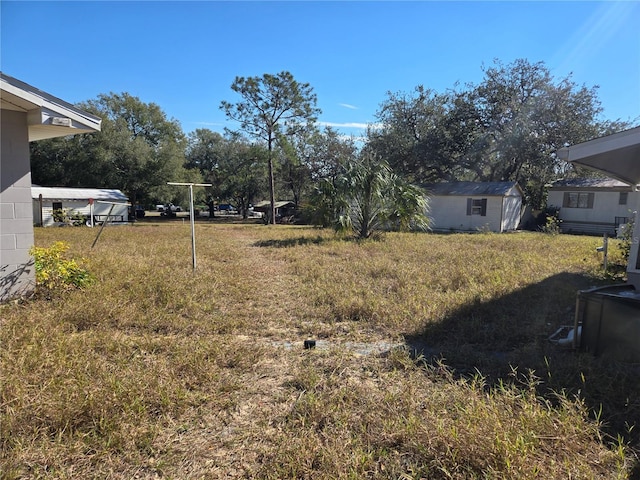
17	274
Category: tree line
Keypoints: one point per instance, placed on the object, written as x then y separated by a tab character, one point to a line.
506	128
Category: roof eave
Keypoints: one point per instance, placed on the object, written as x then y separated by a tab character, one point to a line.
47	116
617	155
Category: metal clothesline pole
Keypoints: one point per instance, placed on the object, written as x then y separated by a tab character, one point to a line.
191	214
104	224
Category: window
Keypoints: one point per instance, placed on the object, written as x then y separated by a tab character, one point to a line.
477	206
57	206
578	200
623	198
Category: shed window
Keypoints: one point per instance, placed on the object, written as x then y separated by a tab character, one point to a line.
623	198
477	206
578	200
57	206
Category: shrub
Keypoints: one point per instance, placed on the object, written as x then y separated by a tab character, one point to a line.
55	271
70	217
59	215
626	237
552	221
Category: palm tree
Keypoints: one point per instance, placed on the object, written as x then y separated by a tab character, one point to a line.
371	198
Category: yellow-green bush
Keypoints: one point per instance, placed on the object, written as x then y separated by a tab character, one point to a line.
55	271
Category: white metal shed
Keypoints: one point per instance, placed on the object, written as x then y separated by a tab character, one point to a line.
473	206
81	201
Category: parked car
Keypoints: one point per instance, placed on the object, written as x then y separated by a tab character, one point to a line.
252	213
170	210
202	212
169	207
226	208
140	211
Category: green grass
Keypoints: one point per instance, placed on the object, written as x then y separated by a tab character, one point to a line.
155	370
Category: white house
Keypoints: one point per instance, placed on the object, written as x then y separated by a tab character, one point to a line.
85	202
592	206
27	114
473	206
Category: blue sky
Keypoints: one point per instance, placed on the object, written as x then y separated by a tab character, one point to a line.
184	56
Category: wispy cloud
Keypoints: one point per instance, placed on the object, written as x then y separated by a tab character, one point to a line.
209	124
338	125
350	107
362	126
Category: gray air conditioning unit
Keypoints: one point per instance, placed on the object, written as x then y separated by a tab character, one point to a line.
609	322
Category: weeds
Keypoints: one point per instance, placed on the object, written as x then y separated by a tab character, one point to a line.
626	237
154	370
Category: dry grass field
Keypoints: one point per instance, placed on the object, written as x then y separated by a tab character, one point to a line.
431	361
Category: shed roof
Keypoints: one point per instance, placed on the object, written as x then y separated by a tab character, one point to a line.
474	188
266	204
68	193
47	116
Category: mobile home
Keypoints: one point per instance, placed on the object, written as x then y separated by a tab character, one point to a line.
594	206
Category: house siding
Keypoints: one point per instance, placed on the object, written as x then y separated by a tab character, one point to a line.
600	217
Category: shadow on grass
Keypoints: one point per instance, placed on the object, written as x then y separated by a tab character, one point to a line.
510	334
290	242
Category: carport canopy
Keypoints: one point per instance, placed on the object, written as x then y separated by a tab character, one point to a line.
617	155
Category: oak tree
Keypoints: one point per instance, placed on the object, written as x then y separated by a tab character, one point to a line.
137	151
